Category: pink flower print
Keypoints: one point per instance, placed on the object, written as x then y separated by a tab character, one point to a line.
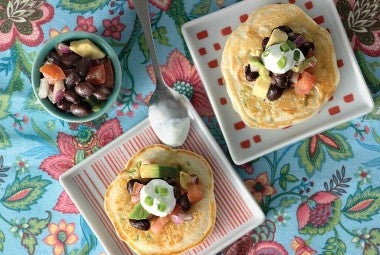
160	4
86	25
113	28
319	213
22	20
179	74
69	146
267	247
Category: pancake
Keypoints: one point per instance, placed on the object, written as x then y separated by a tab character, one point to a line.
173	239
291	107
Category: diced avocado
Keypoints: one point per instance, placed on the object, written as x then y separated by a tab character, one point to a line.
158	171
260	89
262	83
138	212
277	36
87	48
184	179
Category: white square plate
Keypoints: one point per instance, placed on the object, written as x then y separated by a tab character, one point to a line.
206	37
237	212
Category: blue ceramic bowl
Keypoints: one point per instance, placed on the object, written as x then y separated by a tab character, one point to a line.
41	58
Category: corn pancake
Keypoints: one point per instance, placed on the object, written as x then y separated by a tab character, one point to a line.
173	239
291	107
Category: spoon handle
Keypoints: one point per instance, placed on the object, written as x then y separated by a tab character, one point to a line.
142	10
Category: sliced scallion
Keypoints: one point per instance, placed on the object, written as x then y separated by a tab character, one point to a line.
266	53
281	62
284	47
148	201
291	44
296	55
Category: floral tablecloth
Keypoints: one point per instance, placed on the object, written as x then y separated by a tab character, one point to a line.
320	195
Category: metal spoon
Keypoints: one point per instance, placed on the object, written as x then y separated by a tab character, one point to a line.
168	113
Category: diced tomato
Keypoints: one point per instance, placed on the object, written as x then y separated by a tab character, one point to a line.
96	75
135	195
195	192
305	83
158	223
52	72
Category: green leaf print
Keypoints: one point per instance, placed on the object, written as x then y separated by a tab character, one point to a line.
310	161
285	177
287	202
143	45
370	250
29	241
334	246
36	225
362	205
5	104
161	36
344	149
375	236
2	240
4	139
200	9
311	152
21	194
83	6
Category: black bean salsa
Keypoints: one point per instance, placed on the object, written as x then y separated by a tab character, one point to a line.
78	78
282	81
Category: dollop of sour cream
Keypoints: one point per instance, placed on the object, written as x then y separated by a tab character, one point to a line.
280	58
157	197
171	131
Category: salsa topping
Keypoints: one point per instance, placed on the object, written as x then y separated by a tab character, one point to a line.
77	77
164	193
285	58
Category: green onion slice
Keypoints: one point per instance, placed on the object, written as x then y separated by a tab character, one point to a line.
291	44
161	207
296	55
284	47
148	201
281	62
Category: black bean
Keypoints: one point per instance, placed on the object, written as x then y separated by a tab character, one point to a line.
101	93
265	42
72	78
249	75
140	224
71	96
274	93
184	202
306	47
177	192
281	80
84	89
54	57
83	66
64	105
70	60
82	109
285	29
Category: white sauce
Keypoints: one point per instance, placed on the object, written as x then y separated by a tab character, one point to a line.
275	54
171	131
168	200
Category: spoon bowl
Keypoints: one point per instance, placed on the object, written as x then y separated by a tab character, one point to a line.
168	113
